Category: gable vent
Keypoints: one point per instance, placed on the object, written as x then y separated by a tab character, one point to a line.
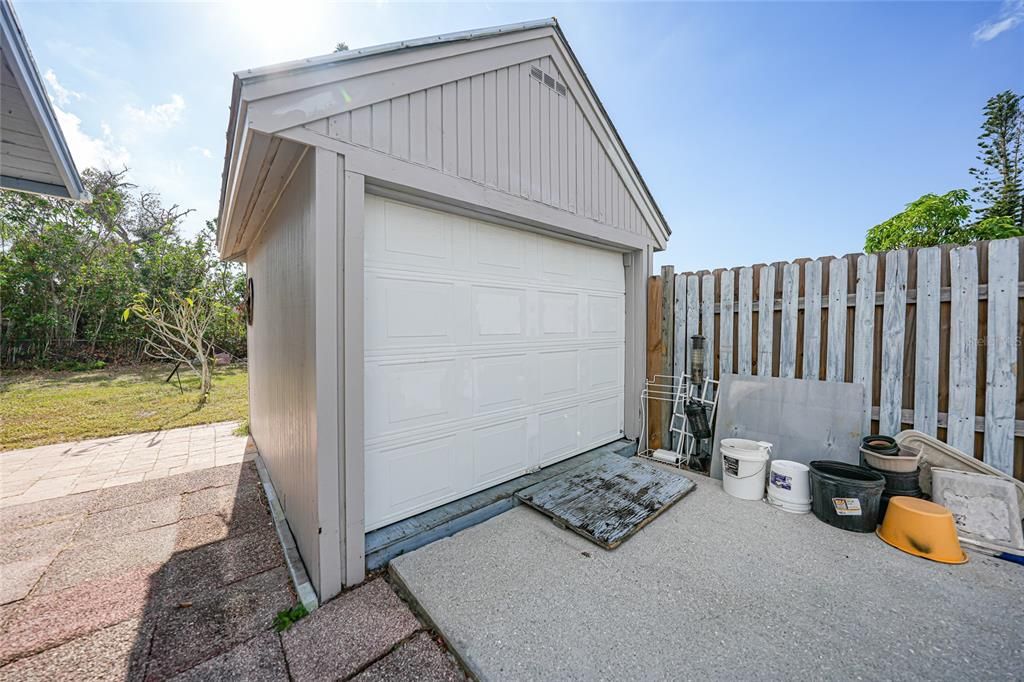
547	80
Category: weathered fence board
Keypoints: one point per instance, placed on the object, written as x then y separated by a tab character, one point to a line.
1001	349
765	318
893	326
707	319
864	330
746	322
926	360
915	328
963	347
812	320
835	362
790	316
725	354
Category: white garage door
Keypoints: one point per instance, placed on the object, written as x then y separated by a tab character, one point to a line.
490	352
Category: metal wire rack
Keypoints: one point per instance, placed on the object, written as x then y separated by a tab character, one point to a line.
676	390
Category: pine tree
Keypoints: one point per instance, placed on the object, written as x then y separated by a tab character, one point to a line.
1000	178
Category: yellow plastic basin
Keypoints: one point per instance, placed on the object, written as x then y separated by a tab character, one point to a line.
921	528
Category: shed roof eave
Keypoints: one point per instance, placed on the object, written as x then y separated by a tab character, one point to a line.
18	56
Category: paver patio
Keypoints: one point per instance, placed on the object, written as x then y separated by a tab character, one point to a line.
183	575
51	471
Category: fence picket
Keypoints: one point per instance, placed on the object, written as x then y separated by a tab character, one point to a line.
864	330
1001	358
765	320
746	317
926	351
679	342
893	324
692	313
812	320
790	312
707	319
963	347
725	357
835	361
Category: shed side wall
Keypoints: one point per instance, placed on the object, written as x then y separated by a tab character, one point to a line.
282	371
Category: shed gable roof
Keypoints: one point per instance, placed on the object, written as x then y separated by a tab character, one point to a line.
508	108
34	157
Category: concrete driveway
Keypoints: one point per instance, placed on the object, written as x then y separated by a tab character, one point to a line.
714	588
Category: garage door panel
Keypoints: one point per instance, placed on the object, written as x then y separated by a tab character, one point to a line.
606	315
498	314
558	433
500	382
559	374
489	352
408	394
499	251
410	478
603	368
559	314
410	312
602	420
500	451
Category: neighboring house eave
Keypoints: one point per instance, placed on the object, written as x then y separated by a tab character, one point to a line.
18	57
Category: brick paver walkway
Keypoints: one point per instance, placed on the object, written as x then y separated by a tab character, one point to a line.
51	471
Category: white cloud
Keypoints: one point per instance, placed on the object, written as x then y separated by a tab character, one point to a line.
58	93
1011	15
202	151
89	151
158	116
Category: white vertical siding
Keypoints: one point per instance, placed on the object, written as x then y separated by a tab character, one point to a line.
282	384
503	129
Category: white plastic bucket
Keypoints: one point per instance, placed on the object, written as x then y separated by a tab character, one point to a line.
789	486
743	467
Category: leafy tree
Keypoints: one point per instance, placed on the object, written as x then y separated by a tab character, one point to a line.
1001	153
179	328
341	47
937	219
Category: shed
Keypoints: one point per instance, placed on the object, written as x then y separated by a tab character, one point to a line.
448	247
34	157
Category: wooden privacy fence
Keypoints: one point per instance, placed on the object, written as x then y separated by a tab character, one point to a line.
933	333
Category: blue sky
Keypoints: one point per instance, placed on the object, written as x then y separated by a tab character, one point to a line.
767	131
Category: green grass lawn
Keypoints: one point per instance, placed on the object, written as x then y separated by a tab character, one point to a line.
37	408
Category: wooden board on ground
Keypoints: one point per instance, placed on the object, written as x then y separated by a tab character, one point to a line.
608	499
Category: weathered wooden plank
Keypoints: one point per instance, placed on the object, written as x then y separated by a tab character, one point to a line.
835	360
765	320
655	356
894	324
679	342
707	320
1001	353
926	353
963	347
977	424
668	341
864	330
790	315
692	312
608	499
745	323
812	320
725	325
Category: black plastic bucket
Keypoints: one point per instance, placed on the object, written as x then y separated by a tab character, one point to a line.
882	445
902	482
845	495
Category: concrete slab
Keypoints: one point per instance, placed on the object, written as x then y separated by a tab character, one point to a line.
108	654
347	634
714	588
418	659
